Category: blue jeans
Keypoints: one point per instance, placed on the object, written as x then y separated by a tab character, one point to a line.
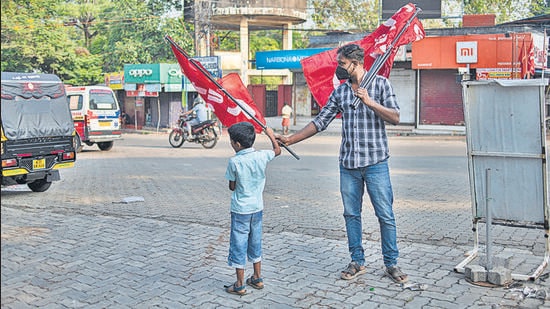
352	187
245	239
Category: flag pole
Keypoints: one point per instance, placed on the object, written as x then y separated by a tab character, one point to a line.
381	59
207	74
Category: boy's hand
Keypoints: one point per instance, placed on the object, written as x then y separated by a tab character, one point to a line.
269	131
274	143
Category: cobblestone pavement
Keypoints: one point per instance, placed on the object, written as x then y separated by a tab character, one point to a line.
79	245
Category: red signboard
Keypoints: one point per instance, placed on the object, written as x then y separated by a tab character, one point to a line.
493	51
137	93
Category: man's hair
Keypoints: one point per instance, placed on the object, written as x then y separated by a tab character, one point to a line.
353	52
243	133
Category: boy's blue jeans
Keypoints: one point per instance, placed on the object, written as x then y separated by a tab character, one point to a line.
352	187
245	239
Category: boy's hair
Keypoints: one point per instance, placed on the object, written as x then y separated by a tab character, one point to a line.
243	133
352	52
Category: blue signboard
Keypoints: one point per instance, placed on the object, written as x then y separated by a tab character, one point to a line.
284	59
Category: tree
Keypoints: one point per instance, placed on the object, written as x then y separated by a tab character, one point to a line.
135	34
505	10
347	15
34	38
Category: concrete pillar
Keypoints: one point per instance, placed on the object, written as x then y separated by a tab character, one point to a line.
287	36
244	50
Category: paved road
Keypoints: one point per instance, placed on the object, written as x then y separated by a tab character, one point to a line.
79	245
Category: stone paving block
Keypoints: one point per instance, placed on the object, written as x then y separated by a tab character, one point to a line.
499	276
417	302
475	273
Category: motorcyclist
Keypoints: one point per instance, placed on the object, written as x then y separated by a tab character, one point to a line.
201	111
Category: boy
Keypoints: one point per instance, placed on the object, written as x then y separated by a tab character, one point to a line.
286	112
246	175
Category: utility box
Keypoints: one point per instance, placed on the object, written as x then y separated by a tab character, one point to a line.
506	142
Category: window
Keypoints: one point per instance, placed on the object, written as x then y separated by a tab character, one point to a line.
102	100
75	102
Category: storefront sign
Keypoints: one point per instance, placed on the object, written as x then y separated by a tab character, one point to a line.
137	93
284	59
115	80
171	77
497	73
211	64
142	73
466	52
489	51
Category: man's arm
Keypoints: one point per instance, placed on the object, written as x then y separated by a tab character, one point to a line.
306	132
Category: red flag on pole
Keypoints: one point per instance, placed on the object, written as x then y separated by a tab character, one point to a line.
527	58
319	69
227	111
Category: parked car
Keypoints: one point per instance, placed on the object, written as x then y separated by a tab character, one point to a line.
37	130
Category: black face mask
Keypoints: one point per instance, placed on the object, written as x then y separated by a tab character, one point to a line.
342	73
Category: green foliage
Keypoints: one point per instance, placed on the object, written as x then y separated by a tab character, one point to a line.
346	15
299	40
505	10
79	40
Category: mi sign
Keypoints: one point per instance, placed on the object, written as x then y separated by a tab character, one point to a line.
466	52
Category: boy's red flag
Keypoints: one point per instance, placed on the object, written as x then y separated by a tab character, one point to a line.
319	69
227	111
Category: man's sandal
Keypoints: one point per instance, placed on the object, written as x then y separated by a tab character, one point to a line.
237	290
396	274
255	283
353	270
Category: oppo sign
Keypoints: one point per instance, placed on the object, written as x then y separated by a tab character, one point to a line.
140	72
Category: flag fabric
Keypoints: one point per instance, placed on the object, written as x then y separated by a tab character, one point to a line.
225	108
319	69
527	59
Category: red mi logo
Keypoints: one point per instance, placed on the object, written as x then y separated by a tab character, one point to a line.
466	52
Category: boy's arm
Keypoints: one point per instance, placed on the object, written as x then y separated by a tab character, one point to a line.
274	142
232	185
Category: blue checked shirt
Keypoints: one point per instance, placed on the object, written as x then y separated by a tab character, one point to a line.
364	140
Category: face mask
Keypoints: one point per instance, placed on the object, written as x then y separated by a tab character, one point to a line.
342	73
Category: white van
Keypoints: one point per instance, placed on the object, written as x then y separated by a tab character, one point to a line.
96	116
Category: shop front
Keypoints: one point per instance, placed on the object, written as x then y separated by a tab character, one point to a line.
152	94
444	62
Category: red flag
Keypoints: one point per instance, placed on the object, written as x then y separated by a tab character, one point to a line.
227	111
527	59
319	69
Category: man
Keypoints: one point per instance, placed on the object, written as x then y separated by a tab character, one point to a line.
201	111
286	111
363	158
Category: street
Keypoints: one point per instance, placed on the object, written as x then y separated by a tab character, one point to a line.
146	225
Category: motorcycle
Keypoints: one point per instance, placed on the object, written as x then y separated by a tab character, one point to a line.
203	133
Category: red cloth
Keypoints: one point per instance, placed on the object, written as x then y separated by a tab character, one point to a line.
527	58
286	122
319	69
227	111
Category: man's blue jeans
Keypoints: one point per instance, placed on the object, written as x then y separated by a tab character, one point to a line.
352	187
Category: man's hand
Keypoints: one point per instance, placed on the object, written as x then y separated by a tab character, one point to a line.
281	138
